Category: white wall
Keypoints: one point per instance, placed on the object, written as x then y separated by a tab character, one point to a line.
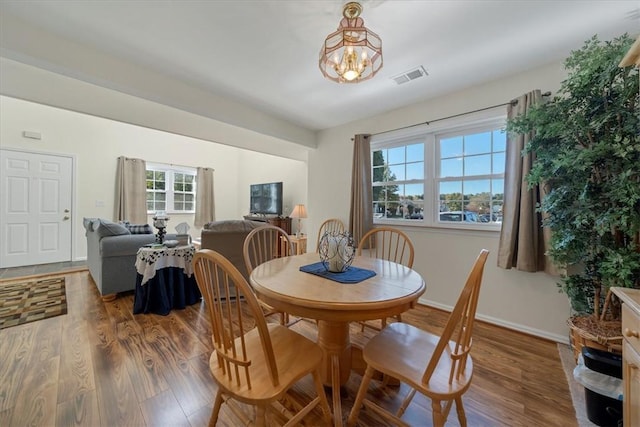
96	143
292	173
525	301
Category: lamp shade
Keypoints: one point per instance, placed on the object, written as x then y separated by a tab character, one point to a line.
299	211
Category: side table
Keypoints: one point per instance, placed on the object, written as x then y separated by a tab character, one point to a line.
299	244
165	279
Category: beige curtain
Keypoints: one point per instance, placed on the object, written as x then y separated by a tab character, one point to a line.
523	240
205	203
131	190
361	213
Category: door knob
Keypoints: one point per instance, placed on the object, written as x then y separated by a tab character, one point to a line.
66	211
66	217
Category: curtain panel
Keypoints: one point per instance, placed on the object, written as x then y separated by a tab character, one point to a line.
131	190
205	202
361	212
523	240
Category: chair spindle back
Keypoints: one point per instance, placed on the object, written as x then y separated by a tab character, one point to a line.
460	325
215	275
265	243
387	243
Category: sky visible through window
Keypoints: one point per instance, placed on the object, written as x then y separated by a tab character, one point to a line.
463	167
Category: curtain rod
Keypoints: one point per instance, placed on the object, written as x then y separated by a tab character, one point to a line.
512	102
177	165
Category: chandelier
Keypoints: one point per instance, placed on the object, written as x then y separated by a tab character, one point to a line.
352	53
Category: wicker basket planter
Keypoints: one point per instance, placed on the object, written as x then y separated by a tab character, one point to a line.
599	334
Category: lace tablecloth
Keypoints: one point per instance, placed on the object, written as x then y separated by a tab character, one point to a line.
149	260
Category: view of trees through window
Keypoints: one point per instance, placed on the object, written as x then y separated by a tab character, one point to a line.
398	182
468	178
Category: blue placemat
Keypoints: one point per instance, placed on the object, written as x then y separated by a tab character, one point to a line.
351	275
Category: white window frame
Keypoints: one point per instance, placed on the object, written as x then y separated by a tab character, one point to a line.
170	171
429	134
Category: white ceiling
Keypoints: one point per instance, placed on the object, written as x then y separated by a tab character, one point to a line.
264	54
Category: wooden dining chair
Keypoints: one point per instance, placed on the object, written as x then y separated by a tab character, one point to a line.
390	244
439	367
254	362
263	244
332	225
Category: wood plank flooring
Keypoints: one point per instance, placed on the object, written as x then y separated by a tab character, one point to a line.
100	365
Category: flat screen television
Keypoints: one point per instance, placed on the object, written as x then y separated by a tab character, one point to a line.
266	199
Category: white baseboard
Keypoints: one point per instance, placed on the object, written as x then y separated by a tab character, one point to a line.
509	325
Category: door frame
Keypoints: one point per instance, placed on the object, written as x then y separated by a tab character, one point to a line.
74	204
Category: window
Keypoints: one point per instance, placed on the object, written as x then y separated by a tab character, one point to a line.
447	177
471	176
170	189
398	181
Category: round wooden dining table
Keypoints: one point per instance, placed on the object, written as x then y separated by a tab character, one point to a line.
393	290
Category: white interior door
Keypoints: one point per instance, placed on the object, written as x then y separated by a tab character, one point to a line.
35	224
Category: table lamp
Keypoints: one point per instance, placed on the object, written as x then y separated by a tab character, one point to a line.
299	212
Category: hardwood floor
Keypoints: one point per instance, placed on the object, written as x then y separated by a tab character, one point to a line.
100	365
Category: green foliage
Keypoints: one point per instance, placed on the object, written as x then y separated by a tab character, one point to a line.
587	154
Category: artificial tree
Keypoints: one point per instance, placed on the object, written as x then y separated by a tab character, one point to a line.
586	152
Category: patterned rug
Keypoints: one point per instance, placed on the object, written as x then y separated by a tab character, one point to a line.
24	302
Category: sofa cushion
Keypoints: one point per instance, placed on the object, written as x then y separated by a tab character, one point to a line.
125	245
108	228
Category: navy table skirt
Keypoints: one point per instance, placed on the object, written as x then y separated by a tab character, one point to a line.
170	288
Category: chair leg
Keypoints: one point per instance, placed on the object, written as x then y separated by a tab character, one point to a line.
460	410
324	403
362	391
438	417
216	409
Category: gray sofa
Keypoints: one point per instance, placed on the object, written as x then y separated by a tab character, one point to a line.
111	254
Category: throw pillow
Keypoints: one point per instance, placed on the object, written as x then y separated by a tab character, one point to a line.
108	228
139	228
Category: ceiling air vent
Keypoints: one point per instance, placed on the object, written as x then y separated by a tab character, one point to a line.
407	76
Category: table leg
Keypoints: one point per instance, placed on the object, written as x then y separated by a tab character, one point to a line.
334	339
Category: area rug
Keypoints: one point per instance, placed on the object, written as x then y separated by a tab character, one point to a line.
32	300
576	389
